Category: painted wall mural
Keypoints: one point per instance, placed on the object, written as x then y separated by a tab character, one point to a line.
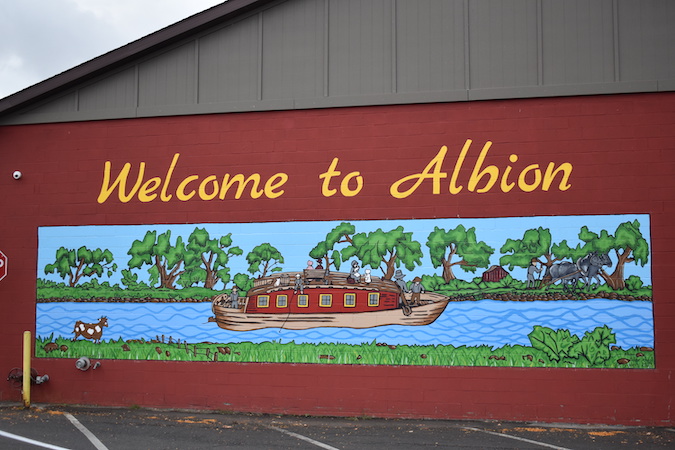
564	291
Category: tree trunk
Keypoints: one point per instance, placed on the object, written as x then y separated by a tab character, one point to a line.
211	278
166	280
616	280
74	278
448	275
391	265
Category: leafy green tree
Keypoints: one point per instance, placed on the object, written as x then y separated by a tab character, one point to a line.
628	244
536	244
264	258
326	249
243	282
391	248
445	245
81	263
206	259
165	260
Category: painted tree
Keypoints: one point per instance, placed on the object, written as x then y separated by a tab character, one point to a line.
243	282
264	258
628	244
326	249
462	243
391	248
207	258
535	244
165	260
84	262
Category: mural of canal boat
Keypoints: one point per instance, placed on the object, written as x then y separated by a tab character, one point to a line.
314	298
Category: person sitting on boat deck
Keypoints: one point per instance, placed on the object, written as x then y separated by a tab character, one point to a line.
310	264
354	275
319	265
417	289
402	285
298	285
366	277
234	297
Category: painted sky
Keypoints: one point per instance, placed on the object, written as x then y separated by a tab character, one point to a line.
296	239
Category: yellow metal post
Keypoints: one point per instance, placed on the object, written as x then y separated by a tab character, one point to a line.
26	368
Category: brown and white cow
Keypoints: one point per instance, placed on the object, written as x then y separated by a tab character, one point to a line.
91	331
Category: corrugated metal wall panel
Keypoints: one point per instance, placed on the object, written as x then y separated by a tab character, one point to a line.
329	53
578	41
114	92
229	63
360	47
503	43
168	79
60	105
646	39
430	45
293	50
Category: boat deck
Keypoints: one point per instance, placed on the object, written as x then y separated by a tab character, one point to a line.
317	279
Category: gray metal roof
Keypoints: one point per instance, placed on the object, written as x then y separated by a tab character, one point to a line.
246	55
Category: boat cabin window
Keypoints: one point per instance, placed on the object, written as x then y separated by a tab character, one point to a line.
374	299
303	300
282	301
263	301
350	300
326	300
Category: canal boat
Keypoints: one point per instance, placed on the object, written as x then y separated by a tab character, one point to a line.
316	298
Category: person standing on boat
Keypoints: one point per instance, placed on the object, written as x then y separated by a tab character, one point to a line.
366	277
417	289
403	289
298	285
354	275
234	297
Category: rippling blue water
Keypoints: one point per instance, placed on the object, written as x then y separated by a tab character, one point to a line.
471	323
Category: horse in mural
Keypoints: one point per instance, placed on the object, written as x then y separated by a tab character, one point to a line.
586	268
591	265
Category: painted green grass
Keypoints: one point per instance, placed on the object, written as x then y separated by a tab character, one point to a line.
331	353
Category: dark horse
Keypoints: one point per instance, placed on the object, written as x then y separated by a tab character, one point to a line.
586	268
591	265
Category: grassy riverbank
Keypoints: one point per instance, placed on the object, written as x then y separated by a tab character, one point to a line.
374	353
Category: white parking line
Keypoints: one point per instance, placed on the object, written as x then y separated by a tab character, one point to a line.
543	444
16	437
94	440
304	438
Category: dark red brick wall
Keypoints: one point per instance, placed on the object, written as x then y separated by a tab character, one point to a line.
621	147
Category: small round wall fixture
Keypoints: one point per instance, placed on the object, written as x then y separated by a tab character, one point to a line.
17	175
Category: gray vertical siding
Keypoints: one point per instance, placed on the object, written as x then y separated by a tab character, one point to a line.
430	51
323	53
292	50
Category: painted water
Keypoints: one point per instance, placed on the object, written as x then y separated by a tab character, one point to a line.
471	323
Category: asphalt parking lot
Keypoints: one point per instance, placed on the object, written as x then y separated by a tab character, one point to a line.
84	428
